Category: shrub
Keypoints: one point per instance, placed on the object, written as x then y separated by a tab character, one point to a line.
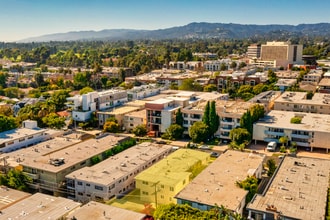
296	120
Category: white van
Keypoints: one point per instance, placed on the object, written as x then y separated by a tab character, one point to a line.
271	146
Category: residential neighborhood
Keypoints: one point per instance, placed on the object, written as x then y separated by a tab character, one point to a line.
166	129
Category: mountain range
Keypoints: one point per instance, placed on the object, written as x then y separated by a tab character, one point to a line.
195	30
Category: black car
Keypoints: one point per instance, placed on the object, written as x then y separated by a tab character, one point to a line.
214	154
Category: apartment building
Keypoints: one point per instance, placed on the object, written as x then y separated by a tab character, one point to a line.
40	206
26	136
117	113
239	78
217	183
48	170
115	175
167	79
162	181
298	190
313	76
10	196
181	65
284	84
83	105
133	119
312	132
298	102
230	113
324	85
267	99
283	53
100	211
143	91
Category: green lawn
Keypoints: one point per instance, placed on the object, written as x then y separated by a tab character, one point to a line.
131	202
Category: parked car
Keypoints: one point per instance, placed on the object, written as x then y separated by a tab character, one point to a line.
204	147
214	154
271	146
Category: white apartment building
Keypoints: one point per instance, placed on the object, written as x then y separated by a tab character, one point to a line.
28	135
143	91
114	176
312	132
83	105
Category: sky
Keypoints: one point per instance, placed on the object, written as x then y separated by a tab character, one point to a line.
21	19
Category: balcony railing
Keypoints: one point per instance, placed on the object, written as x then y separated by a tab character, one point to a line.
275	133
302	136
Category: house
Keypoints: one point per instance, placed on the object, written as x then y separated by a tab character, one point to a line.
297	190
216	184
115	175
162	181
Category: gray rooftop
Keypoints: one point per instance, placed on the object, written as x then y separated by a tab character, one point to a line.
73	154
216	184
299	189
99	211
40	206
121	164
10	196
14	134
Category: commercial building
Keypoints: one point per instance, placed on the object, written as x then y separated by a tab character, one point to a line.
217	183
283	53
312	132
115	175
161	182
48	170
254	51
26	136
99	211
298	102
40	206
83	105
298	190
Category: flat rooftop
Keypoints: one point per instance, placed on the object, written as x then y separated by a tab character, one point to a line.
324	82
40	206
10	196
137	114
160	101
300	98
217	183
73	154
309	122
120	164
119	110
99	211
44	148
232	108
299	189
174	167
17	133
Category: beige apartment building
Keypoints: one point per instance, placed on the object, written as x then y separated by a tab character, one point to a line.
133	119
298	102
48	169
115	175
312	132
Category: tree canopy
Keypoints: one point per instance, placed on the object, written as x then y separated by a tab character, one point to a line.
198	132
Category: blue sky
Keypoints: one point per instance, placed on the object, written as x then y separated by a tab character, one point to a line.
21	19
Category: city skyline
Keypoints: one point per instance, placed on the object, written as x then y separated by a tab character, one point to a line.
22	19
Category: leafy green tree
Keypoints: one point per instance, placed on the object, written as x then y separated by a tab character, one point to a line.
140	130
179	117
86	90
295	120
246	121
271	167
241	65
15	179
7	123
6	110
250	184
223	67
173	132
3	79
52	120
39	79
190	85
198	132
210	88
111	126
233	65
259	88
213	119
59	99
272	78
240	136
13	92
206	114
257	112
283	140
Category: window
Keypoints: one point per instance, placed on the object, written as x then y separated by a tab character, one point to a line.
87	184
162	186
21	139
80	193
10	143
145	193
30	137
171	188
145	182
79	183
99	188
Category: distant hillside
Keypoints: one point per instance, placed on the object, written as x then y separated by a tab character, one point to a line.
193	31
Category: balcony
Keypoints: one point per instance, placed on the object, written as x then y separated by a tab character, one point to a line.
274	133
302	136
270	139
227	122
303	144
